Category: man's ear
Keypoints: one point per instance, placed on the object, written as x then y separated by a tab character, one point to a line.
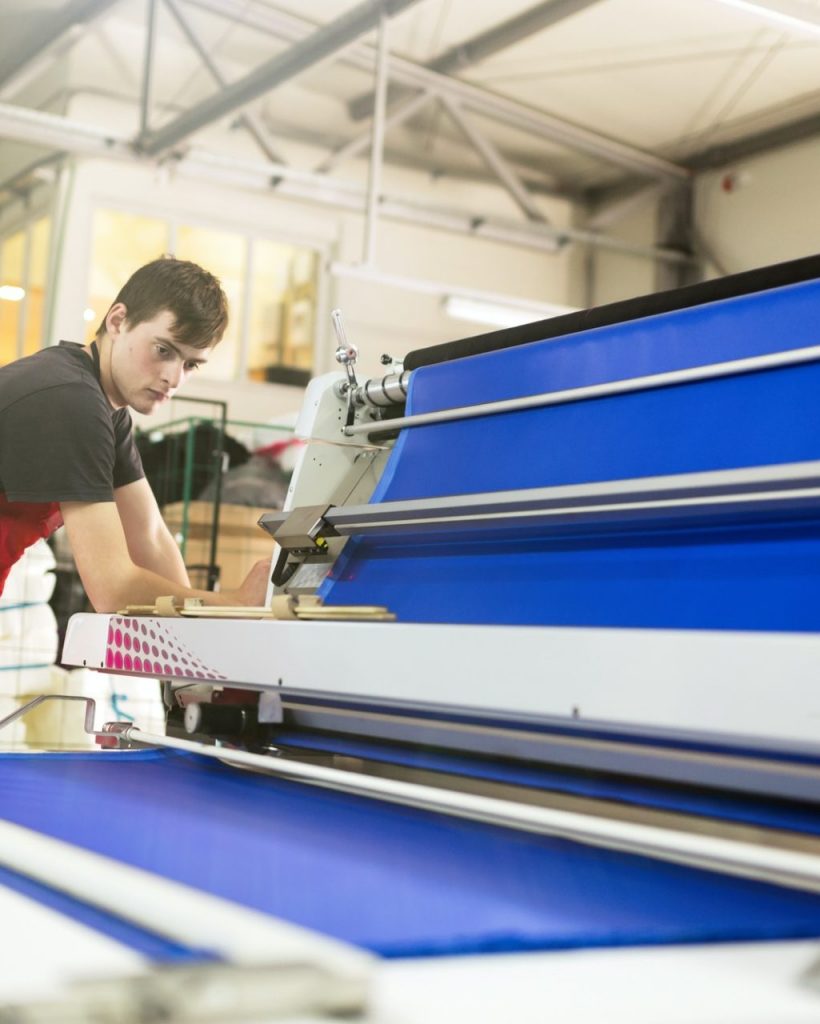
115	319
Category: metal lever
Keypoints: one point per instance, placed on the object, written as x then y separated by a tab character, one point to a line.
346	355
112	734
24	709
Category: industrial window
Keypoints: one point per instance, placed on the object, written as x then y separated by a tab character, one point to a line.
271	286
13	293
224	254
282	313
34	323
23	272
120	244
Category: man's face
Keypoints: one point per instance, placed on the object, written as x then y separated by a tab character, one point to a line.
147	365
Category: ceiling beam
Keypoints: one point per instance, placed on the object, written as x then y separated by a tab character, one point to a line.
524	118
38	172
535	180
495	161
49	30
360	143
148	64
754	145
374	175
618	203
485	44
25	125
248	121
317	46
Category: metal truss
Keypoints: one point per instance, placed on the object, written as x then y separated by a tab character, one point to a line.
472	51
78	138
509	112
316	46
248	120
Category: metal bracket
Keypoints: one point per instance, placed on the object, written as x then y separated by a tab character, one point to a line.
304	530
346	356
301	536
21	712
117	736
112	734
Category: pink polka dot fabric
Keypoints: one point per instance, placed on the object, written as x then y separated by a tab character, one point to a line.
149	649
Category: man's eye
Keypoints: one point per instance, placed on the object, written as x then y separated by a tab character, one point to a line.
163	351
191	366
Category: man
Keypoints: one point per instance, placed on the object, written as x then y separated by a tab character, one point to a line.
67	452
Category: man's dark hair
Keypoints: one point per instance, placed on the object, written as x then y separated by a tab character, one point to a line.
192	295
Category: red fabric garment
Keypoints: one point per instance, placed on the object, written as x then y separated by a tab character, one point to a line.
22	523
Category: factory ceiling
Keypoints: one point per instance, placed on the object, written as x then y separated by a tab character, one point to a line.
570	97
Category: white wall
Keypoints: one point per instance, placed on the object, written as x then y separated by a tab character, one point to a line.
754	213
762	210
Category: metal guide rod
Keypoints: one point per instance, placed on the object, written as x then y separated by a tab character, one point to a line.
759	488
733	768
752	364
783	867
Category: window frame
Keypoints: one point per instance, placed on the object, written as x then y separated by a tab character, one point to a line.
250	233
25	226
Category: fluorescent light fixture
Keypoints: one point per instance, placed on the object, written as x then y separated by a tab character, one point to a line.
496	314
11	293
461	303
89	315
799	15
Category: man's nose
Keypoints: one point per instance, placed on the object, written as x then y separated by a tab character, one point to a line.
173	374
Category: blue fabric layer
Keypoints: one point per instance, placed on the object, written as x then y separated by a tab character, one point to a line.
155	947
397	881
751	810
760	574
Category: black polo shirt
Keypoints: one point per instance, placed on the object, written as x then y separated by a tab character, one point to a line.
60	440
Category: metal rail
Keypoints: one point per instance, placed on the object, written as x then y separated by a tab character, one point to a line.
756	491
795	869
694	374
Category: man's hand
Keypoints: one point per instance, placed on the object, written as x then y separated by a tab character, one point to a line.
254	587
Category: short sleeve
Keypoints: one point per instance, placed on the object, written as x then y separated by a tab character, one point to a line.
127	459
58	444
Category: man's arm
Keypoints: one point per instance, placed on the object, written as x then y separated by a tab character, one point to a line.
113	580
149	540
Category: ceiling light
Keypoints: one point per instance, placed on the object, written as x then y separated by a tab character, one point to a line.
497	314
89	315
11	293
794	14
473	304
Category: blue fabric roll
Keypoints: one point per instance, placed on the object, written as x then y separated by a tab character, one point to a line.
756	575
397	881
